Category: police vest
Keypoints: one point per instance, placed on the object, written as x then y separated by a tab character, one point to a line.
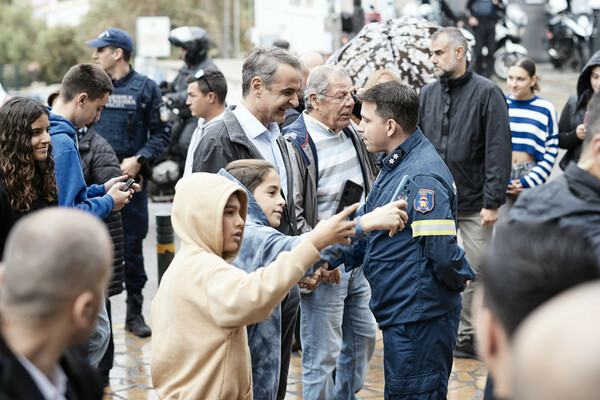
483	8
122	121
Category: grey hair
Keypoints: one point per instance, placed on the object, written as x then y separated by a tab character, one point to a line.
262	62
455	37
318	81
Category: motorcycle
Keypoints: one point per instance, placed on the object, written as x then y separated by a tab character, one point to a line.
569	33
510	30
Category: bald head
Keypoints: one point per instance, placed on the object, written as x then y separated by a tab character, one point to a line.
311	59
557	351
51	256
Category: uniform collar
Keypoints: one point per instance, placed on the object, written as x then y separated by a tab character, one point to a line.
390	161
124	78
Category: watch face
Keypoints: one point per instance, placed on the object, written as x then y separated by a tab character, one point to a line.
140	159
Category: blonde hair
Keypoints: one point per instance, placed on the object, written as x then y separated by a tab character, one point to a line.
376	76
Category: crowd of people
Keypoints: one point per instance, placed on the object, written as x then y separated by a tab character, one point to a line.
267	253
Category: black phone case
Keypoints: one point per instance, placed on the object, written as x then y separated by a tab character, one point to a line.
350	194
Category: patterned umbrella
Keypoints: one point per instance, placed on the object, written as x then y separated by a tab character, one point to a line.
400	45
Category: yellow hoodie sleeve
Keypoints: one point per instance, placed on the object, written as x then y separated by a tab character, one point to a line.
237	298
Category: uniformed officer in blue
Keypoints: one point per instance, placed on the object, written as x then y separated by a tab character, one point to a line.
416	276
136	124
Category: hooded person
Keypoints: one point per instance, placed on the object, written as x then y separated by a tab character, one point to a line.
261	245
203	303
570	125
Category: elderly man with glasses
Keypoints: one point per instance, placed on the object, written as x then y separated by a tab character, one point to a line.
337	328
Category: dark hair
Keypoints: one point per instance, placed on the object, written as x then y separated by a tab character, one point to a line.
397	101
592	122
250	173
25	179
528	264
126	53
529	66
85	78
262	62
216	80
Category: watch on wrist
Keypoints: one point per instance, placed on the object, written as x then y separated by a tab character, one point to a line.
140	158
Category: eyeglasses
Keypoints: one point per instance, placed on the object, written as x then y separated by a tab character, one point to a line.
340	99
200	75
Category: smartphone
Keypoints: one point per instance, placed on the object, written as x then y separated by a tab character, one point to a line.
127	185
407	190
351	193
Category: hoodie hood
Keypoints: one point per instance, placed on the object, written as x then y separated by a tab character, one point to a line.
198	207
584	87
60	124
256	214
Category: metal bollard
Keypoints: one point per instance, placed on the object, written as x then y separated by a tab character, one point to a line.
165	246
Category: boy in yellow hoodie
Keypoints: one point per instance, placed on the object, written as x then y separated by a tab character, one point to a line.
199	341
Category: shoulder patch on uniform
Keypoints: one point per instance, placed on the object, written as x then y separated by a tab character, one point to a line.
164	113
424	201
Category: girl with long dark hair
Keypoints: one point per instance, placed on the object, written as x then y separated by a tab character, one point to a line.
27	179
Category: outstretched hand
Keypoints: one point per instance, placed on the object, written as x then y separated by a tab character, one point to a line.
390	217
334	230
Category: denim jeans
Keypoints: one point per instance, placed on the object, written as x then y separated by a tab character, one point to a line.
338	332
98	341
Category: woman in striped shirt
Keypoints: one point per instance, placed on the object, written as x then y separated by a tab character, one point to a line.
533	125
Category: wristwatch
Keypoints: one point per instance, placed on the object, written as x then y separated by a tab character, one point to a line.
140	158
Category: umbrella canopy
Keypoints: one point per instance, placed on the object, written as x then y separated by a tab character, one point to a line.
400	45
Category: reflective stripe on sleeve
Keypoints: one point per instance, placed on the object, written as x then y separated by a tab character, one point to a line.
434	227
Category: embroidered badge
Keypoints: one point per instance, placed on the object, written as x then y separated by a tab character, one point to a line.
424	201
164	113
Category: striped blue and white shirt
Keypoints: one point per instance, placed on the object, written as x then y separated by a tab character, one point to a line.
534	129
338	162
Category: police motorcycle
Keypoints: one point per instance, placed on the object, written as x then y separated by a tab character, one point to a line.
510	30
569	31
195	43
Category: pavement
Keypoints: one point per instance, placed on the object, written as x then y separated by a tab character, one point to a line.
130	377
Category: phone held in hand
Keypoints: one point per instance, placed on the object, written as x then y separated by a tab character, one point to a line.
407	190
351	193
127	184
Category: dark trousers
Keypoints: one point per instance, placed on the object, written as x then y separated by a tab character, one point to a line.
135	228
417	357
485	37
106	363
289	312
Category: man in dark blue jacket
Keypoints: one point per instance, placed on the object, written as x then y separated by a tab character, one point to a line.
416	276
136	124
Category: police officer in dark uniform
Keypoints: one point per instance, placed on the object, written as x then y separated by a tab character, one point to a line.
136	124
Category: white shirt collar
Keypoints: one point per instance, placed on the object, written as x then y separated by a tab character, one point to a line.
52	389
252	126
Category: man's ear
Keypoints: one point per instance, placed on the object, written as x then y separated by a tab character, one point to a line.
595	147
81	99
85	310
390	126
118	54
459	52
313	100
257	85
490	336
